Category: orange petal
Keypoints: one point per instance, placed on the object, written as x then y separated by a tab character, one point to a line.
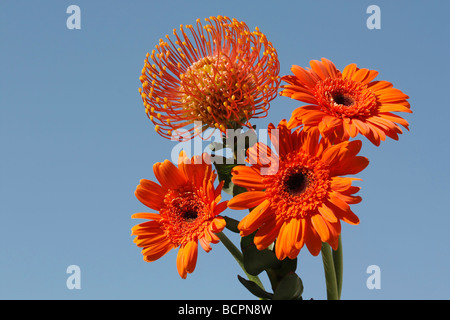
149	227
247	177
218	209
268	232
362	127
321	227
395	118
370	76
332	70
150	240
360	75
157	251
246	200
168	175
348	71
340	152
327	213
390	107
319	69
153	186
312	239
218	224
303	76
342	211
390	95
150	198
287	238
379	85
146	215
204	244
255	218
305	97
187	258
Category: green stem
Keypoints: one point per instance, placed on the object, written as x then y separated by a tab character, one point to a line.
338	261
237	254
330	273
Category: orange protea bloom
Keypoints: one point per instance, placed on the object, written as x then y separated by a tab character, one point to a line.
304	201
343	104
222	76
188	206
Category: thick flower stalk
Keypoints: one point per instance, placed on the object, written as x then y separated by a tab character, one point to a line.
303	202
188	207
219	75
344	104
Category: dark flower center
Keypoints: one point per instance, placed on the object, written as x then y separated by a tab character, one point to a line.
343	99
190	215
296	183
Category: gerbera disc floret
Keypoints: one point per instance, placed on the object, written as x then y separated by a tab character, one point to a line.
221	75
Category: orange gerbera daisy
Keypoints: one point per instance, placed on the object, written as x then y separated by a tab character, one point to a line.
304	201
345	104
222	76
188	206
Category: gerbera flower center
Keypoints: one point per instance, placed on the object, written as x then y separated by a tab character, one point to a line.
213	90
190	215
345	98
184	214
301	183
296	183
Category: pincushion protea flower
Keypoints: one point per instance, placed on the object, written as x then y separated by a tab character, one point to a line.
343	104
305	200
188	211
222	76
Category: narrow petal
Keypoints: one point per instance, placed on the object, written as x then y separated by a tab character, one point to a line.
319	69
312	239
303	76
327	213
155	252
268	232
390	107
146	215
304	97
168	175
190	256
321	227
379	85
180	263
344	215
218	209
287	238
348	71
255	218
247	177
332	70
246	200
349	166
360	75
150	198
218	224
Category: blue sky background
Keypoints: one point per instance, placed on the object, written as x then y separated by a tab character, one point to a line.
74	142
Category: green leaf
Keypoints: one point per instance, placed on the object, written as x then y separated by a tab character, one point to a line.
232	224
287	266
224	168
289	288
255	289
256	261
